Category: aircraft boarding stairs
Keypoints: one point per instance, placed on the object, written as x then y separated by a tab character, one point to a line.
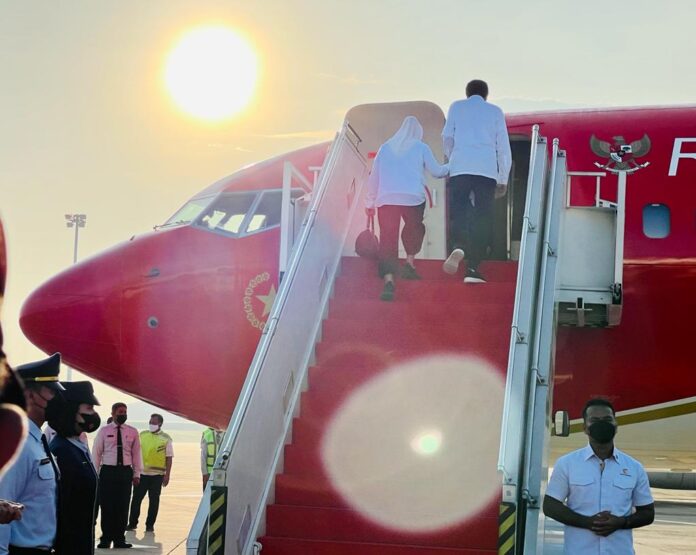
367	427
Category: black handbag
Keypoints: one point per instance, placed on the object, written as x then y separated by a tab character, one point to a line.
367	243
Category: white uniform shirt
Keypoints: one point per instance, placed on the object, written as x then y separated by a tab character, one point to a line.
476	140
31	481
105	444
398	178
579	481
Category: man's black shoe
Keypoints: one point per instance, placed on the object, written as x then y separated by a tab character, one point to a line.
131	527
473	276
104	545
122	545
409	272
149	528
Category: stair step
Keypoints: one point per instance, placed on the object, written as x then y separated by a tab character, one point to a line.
426	312
429	337
345	525
291	546
432	269
313	491
456	293
346	354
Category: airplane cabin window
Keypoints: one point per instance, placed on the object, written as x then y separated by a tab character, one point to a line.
227	213
656	221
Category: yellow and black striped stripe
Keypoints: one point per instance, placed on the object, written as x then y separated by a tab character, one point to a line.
216	520
506	529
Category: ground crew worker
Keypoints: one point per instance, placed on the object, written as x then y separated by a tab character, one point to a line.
117	459
33	479
210	442
157	466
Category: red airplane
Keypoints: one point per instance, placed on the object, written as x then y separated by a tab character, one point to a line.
174	316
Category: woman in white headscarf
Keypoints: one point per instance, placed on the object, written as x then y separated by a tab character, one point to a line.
396	188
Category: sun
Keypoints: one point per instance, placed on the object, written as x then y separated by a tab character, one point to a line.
211	73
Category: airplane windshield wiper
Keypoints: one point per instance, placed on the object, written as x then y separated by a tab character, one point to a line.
169	224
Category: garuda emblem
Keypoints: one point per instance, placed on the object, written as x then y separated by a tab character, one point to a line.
621	155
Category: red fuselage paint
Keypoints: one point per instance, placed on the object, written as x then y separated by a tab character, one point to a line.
174	316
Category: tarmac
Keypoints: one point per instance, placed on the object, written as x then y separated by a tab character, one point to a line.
674	530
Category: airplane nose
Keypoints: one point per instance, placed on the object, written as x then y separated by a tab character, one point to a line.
77	313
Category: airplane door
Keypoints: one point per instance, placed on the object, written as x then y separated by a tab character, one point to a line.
509	210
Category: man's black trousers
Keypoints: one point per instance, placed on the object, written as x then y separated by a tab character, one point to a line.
389	217
114	496
471	225
152	485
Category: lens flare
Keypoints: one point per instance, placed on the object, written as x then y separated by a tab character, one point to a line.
415	448
427	443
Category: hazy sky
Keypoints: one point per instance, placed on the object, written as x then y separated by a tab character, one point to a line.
86	125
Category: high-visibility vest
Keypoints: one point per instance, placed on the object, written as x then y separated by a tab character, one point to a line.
212	441
154	448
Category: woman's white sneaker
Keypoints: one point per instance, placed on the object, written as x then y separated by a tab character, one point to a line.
451	265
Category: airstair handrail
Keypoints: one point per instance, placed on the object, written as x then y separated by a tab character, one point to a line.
538	373
517	335
251	451
247	390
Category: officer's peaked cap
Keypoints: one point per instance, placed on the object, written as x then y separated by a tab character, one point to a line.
43	372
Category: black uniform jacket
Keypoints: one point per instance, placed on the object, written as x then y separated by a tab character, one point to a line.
77	499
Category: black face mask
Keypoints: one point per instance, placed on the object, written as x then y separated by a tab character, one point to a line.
121	418
602	432
91	422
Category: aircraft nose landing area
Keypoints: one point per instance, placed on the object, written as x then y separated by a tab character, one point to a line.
415	448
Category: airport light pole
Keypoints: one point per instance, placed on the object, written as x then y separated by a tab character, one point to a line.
77	221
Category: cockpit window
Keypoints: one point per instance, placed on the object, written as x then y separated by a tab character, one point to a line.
189	212
267	212
235	214
227	213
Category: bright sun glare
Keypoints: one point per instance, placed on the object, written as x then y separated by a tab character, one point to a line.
211	73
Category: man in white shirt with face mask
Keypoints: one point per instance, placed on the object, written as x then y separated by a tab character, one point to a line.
157	466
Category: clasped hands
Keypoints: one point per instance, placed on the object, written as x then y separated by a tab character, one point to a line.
605	523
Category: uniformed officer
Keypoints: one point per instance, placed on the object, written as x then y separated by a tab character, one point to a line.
78	477
157	466
210	441
118	461
32	480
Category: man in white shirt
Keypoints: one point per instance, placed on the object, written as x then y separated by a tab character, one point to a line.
599	492
478	147
118	460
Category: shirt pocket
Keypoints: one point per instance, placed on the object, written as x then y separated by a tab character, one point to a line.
46	471
583	493
622	490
